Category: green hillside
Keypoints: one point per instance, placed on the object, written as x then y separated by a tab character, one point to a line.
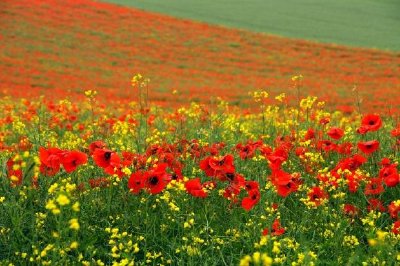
365	23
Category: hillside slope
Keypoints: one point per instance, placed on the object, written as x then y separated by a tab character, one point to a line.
365	23
55	47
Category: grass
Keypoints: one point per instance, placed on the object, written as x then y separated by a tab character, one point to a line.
364	23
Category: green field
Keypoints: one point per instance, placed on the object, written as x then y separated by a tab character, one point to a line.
364	23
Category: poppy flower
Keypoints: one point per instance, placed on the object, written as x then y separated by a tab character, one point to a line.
317	195
310	134
390	175
374	187
72	159
375	205
245	151
277	157
353	181
102	157
284	182
394	209
396	227
326	145
136	182
195	188
277	228
252	199
98	144
335	133
368	147
156	179
395	132
345	148
350	210
217	166
370	122
115	166
50	160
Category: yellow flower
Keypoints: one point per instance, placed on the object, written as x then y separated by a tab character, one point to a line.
74	245
74	224
63	200
76	206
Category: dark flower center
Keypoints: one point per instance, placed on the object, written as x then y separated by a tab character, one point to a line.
107	155
153	180
230	176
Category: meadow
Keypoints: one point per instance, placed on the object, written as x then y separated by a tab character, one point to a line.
371	24
61	48
133	138
92	183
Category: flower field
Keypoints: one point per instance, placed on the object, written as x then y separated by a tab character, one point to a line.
91	183
221	153
57	48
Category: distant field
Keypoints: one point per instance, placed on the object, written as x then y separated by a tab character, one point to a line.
60	48
365	23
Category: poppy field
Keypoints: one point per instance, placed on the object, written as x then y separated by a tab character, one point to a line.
58	49
217	153
88	183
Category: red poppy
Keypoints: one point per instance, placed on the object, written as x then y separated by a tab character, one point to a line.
368	147
156	179
245	151
326	145
350	210
390	175
351	163
370	122
50	160
195	188
396	132
98	144
396	227
284	182
277	157
394	209
277	228
374	187
217	166
114	166
335	133
252	199
353	181
375	205
345	148
72	159
265	150
317	195
102	157
310	134
136	182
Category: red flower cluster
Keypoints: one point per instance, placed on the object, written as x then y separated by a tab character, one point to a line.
51	160
154	180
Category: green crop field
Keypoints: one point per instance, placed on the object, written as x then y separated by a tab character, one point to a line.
364	23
